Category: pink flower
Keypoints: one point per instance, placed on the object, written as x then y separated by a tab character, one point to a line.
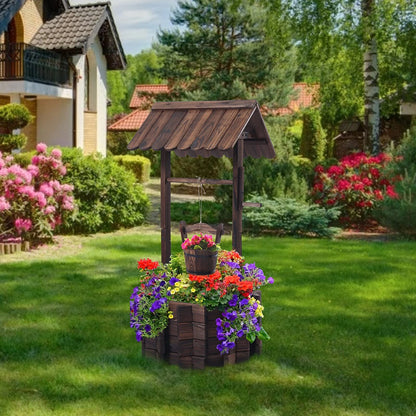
41	147
22	225
50	209
34	170
56	153
4	204
41	199
46	189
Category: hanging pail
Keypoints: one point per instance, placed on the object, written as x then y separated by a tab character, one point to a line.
200	261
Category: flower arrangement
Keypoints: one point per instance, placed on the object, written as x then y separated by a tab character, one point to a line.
200	242
354	186
32	200
229	289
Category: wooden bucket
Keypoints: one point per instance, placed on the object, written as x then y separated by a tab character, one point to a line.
200	261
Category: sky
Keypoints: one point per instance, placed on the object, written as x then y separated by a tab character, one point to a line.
138	21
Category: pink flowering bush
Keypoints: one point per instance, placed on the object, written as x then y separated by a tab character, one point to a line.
354	186
32	200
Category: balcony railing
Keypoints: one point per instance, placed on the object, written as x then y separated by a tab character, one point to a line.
20	61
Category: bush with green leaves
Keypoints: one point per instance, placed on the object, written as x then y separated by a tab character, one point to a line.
139	165
312	145
13	116
399	214
106	194
190	212
285	216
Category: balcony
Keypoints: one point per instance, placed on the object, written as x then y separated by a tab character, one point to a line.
20	61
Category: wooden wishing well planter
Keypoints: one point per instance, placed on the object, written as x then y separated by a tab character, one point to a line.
190	340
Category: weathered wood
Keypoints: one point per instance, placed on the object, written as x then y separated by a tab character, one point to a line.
190	340
252	204
165	198
238	196
204	104
201	181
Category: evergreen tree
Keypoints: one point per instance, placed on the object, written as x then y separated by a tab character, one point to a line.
222	49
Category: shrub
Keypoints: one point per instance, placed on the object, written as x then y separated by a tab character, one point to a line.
312	145
289	217
399	214
355	186
32	200
106	194
139	165
14	116
9	142
270	178
199	167
189	212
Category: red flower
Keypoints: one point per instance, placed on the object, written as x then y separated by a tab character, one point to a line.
147	264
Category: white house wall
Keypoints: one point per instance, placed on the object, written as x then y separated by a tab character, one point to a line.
100	94
54	122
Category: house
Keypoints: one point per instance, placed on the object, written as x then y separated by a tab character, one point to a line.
53	59
304	95
144	95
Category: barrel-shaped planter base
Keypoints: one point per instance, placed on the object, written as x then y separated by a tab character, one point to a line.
190	340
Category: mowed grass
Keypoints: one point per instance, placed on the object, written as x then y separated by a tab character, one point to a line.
342	317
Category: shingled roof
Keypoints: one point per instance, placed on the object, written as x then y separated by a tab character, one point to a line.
8	8
74	31
205	128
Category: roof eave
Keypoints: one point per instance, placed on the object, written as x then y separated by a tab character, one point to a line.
15	6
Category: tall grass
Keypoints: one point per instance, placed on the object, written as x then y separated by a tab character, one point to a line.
342	317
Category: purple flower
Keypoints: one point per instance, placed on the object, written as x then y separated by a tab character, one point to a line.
157	304
138	336
173	280
244	302
270	280
218	322
233	301
240	333
148	328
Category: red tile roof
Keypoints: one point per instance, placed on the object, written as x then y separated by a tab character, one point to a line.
305	95
138	101
131	122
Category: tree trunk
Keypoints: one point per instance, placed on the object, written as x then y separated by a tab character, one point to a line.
370	72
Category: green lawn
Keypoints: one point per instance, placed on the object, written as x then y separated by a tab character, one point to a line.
342	317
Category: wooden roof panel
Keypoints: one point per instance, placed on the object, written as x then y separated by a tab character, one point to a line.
204	128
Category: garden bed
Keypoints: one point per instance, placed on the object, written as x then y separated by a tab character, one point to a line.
13	246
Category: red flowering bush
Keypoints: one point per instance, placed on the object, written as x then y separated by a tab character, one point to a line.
33	201
354	186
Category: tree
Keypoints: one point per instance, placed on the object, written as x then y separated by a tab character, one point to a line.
333	36
222	49
141	69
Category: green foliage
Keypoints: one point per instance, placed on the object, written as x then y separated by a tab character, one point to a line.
14	116
24	159
189	212
139	165
312	145
225	50
399	214
117	141
289	217
199	167
106	194
9	142
141	69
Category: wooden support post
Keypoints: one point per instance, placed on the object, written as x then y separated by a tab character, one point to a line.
238	195
165	205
